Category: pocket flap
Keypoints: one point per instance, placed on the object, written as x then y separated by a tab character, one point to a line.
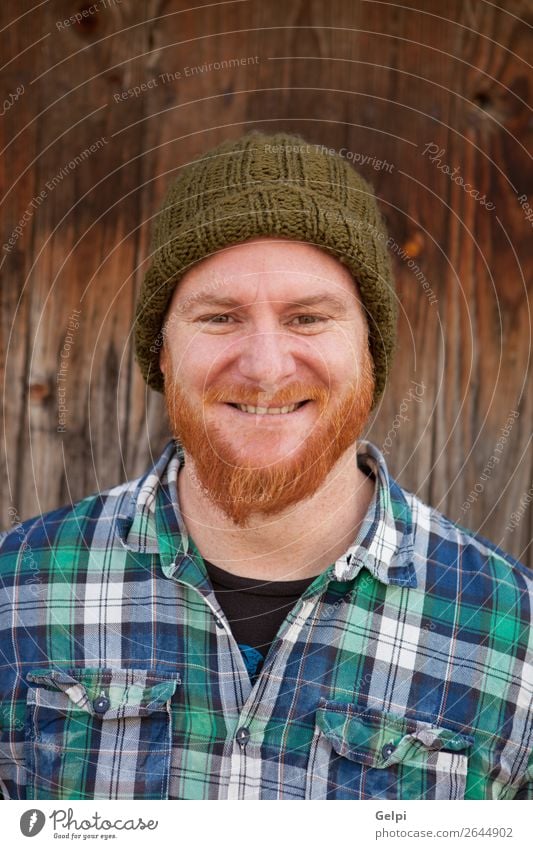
379	739
104	693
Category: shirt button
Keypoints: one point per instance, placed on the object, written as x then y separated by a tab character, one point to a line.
101	704
242	736
387	750
218	622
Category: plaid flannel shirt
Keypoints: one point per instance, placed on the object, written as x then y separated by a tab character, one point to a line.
404	671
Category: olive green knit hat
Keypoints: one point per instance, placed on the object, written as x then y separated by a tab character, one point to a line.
268	185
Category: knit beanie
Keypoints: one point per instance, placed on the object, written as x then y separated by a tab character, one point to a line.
268	185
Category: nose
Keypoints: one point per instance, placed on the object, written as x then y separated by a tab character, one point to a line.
266	360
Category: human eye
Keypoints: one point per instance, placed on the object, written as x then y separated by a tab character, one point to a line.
308	319
219	318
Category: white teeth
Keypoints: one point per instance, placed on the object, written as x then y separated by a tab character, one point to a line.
268	411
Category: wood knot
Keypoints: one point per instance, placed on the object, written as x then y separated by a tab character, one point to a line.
483	100
414	245
88	21
39	392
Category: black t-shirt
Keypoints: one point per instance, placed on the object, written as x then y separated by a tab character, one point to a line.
255	610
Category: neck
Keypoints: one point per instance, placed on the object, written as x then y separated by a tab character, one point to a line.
299	542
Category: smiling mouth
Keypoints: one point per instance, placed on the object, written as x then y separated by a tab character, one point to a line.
269	411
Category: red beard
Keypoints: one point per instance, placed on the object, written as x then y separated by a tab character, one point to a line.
240	489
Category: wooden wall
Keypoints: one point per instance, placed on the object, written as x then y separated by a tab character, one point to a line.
84	169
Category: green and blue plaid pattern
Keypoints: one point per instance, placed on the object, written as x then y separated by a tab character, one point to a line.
403	672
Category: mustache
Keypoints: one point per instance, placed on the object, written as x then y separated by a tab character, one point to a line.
234	394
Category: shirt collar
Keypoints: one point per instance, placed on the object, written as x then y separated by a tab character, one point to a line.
152	523
384	543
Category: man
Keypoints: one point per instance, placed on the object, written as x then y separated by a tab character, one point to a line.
266	613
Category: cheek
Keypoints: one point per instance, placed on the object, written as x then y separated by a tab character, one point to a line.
196	362
335	359
203	357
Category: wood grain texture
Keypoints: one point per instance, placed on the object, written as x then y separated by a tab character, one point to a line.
378	79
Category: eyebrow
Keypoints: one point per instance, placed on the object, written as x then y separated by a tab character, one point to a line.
321	299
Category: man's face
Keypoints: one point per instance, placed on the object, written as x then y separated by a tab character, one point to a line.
268	376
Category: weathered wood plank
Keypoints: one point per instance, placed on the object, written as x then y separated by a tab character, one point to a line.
407	92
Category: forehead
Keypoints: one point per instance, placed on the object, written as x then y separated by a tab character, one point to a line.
266	268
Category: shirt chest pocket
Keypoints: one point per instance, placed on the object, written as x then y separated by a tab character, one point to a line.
357	753
98	733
